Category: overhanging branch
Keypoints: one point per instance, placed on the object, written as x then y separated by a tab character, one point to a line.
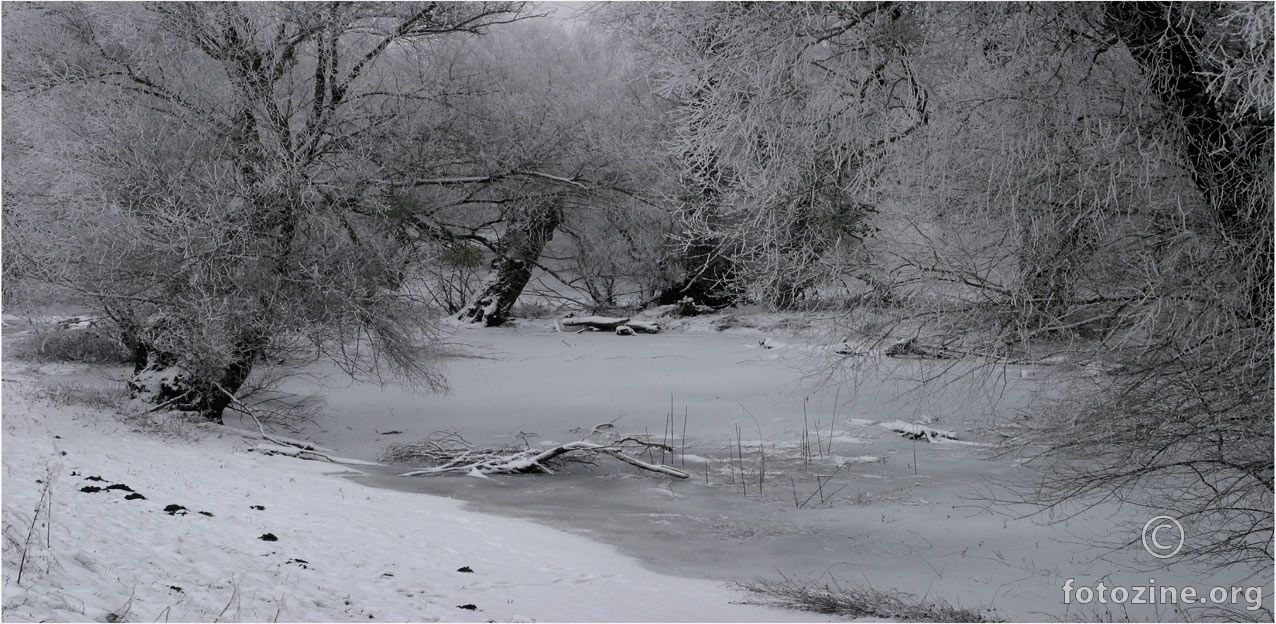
584	185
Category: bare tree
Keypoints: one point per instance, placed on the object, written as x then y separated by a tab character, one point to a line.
1088	181
780	114
210	184
1065	204
1195	432
552	135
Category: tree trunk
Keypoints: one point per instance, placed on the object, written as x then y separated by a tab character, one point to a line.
1050	257
159	379
518	251
710	278
1230	152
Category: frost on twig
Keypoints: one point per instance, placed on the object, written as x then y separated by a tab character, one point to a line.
451	454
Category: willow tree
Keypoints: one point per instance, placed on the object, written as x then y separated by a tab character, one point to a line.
1091	181
205	178
779	116
1194	398
545	136
1096	183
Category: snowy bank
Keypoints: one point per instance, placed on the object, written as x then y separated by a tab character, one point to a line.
340	551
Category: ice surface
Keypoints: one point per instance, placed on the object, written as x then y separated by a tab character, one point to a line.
842	497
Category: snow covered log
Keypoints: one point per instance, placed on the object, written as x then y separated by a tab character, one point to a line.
601	323
611	323
917	432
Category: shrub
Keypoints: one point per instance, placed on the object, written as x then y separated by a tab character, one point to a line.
103	398
70	344
858	601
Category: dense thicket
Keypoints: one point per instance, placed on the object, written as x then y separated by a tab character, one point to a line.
1091	181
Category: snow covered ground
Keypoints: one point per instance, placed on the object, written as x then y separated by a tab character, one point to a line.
872	507
341	551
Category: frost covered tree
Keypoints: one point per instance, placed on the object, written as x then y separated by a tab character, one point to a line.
779	116
547	136
1193	425
1092	181
205	175
1095	182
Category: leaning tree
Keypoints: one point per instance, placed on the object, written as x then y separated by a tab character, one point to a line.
544	136
202	174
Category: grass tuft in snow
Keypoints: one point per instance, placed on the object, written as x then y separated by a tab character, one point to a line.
858	601
108	398
166	424
69	344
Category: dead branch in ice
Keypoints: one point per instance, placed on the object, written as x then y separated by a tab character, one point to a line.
603	430
917	431
283	445
439	448
451	454
300	453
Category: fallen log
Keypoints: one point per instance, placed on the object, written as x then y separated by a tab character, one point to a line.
600	323
643	327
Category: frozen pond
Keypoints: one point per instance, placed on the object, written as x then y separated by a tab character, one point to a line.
554	384
869	507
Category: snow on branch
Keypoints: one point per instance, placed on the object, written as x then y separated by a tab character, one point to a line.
451	454
301	453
